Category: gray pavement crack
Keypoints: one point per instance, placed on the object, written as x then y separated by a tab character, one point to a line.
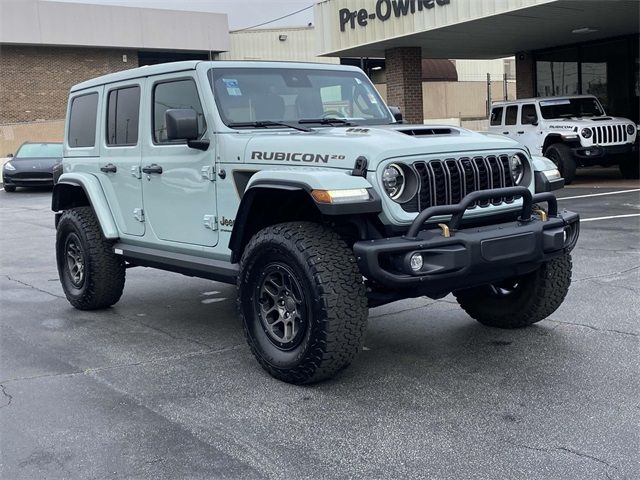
611	274
552	450
20	282
89	371
591	327
6	395
176	337
412	308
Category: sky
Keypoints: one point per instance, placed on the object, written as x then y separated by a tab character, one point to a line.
242	13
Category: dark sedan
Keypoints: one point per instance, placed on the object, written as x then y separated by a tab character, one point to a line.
32	166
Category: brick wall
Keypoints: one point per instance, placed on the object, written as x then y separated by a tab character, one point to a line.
35	81
525	75
404	81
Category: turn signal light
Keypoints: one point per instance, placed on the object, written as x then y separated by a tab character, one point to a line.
340	196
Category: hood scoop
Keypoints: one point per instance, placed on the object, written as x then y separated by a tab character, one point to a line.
429	131
601	119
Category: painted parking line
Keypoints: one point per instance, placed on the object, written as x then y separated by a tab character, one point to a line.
600	194
628	215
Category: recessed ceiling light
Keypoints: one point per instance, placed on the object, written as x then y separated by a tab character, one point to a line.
584	30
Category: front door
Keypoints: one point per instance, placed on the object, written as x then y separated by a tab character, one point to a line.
178	182
121	153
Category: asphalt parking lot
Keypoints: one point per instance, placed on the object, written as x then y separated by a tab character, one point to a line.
163	386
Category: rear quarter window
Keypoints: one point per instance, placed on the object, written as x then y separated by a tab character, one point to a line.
496	116
82	121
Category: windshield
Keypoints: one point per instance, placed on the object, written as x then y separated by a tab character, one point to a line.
248	95
40	150
571	107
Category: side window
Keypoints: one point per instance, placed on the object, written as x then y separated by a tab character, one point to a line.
528	115
82	121
511	118
123	113
175	94
496	116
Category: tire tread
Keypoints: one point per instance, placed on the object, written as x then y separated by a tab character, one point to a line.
342	296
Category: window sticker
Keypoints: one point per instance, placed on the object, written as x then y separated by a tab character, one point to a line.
549	103
233	87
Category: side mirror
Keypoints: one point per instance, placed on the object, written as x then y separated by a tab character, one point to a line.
397	114
9	155
532	119
182	124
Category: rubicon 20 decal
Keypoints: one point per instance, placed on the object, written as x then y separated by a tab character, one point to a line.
295	157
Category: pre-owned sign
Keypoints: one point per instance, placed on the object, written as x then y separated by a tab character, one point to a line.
385	9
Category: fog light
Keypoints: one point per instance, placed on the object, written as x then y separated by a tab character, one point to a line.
416	262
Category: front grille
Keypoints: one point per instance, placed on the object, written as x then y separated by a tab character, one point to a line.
446	182
26	175
609	134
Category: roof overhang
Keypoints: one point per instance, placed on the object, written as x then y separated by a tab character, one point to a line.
37	22
474	29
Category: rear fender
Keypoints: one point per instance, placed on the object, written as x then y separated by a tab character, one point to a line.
83	189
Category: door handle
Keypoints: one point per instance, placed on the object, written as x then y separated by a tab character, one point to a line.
505	133
153	168
521	133
109	168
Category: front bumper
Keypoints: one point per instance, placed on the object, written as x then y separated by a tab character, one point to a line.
470	256
22	179
598	152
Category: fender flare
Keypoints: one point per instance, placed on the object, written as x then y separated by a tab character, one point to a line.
92	190
298	186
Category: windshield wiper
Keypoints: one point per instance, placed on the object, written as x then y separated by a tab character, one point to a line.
326	121
268	123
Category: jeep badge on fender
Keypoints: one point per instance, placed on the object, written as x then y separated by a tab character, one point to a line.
295	182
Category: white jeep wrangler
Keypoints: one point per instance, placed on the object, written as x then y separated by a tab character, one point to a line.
571	131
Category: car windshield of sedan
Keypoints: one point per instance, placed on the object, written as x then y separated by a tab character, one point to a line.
262	97
40	150
571	107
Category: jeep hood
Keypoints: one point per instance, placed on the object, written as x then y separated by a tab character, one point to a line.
587	121
339	147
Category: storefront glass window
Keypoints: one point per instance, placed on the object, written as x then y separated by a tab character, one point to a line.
607	69
557	73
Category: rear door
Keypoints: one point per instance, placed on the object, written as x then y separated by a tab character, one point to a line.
179	190
528	131
119	169
511	121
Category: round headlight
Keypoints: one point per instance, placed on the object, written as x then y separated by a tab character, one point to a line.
8	166
517	169
631	129
586	132
393	180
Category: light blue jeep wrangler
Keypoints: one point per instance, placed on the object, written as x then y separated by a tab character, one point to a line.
299	184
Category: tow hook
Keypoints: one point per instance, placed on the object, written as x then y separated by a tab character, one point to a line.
542	214
445	230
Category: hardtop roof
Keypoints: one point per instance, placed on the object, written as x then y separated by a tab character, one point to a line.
536	99
174	67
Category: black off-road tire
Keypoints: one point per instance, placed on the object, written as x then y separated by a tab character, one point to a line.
9	188
335	299
630	167
561	155
534	297
103	271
